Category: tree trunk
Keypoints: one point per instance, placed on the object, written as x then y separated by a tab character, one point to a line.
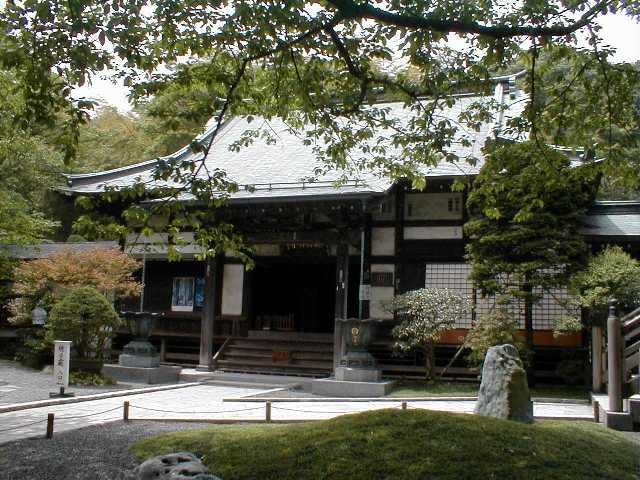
528	326
429	362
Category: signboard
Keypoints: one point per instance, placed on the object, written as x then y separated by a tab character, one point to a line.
61	356
365	291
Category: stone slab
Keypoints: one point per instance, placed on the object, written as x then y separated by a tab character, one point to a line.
162	374
618	421
126	360
330	387
634	408
358	374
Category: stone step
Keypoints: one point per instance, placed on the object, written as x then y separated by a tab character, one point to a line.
232	352
310	366
270	346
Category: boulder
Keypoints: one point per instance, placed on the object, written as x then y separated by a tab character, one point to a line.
504	392
174	466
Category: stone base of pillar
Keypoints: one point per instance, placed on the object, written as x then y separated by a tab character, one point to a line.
204	368
621	421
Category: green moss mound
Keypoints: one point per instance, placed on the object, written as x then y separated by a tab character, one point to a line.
406	445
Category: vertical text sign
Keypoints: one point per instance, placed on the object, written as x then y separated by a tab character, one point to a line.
61	355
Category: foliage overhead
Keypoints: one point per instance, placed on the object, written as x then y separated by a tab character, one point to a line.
524	219
84	316
322	65
425	314
44	281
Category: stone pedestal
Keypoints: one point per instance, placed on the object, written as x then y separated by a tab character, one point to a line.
622	421
332	387
152	375
128	360
347	374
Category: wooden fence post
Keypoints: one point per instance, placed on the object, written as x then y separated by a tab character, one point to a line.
50	418
404	405
267	411
614	354
125	411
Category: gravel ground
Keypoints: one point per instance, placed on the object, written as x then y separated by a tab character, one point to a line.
20	384
96	453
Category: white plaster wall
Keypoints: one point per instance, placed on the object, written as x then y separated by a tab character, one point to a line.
378	296
432	233
383	267
383	241
267	250
232	283
433	206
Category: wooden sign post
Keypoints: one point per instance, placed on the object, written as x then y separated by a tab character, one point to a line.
61	360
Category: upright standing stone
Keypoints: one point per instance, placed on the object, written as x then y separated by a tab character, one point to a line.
504	392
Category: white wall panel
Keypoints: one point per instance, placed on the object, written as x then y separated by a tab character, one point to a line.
232	284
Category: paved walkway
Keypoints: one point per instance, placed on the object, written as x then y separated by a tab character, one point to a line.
19	384
205	402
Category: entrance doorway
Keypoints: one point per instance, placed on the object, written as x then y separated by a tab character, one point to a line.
296	296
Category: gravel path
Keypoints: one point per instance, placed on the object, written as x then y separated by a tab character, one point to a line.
98	452
20	384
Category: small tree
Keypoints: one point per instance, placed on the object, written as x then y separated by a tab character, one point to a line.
495	328
85	317
44	281
424	315
611	274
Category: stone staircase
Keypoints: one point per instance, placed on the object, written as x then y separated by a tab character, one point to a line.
287	353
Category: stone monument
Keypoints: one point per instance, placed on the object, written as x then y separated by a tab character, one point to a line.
504	392
357	374
139	361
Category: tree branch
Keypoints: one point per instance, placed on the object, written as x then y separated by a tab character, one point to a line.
351	9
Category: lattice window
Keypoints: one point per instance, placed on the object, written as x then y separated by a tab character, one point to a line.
454	276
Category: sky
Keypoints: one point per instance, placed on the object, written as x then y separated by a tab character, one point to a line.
618	31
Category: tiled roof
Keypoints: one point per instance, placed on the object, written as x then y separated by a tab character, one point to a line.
287	162
613	219
42	250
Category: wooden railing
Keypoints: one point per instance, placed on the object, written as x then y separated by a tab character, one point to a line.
216	357
630	325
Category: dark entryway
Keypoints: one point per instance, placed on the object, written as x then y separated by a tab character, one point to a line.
294	296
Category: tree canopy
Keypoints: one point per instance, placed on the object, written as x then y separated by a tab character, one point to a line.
323	65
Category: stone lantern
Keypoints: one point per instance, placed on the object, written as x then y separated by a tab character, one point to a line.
139	352
139	361
38	316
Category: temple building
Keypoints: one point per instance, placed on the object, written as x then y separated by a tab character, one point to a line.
326	249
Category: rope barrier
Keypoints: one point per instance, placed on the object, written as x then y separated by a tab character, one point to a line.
22	426
194	413
89	414
317	411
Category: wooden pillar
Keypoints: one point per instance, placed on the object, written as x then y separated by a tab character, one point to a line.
342	297
614	353
163	349
399	234
365	265
597	369
209	312
342	280
143	281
